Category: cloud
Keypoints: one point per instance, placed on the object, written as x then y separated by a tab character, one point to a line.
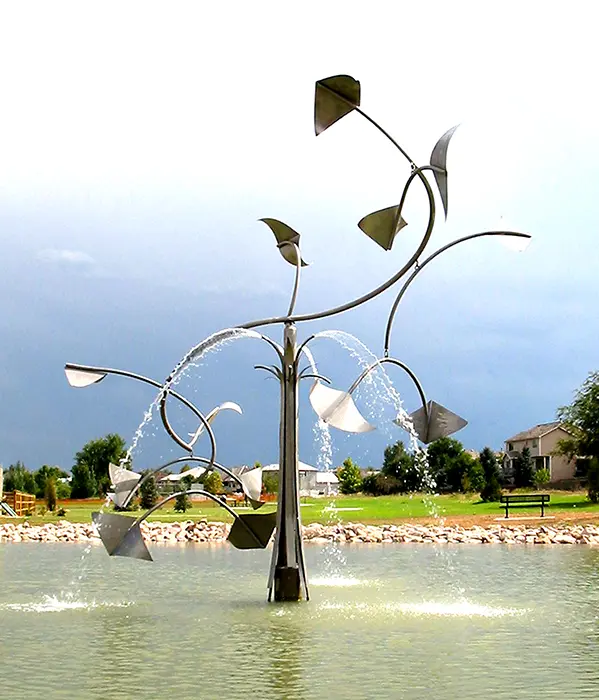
73	257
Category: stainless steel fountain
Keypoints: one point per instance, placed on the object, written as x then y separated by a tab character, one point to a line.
335	97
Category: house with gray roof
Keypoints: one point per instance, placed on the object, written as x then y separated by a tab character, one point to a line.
542	441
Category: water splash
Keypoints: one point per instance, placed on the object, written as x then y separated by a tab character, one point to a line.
53	604
379	394
192	359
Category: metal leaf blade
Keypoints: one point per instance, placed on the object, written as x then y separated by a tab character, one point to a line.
79	378
252	484
441	423
252	530
121	536
285	234
383	225
334	98
439	160
337	409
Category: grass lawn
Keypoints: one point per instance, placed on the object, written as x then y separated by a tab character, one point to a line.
564	506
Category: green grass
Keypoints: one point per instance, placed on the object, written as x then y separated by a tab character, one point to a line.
383	509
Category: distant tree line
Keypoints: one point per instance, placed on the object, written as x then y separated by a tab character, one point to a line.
446	466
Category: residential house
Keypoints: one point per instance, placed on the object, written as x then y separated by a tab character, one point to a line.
312	482
541	441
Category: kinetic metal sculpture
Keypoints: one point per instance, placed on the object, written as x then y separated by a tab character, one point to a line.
335	97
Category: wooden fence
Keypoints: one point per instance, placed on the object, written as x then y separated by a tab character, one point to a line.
20	502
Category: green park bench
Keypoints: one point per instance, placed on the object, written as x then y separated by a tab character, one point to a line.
525	498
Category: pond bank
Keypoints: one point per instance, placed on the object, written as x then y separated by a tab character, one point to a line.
203	531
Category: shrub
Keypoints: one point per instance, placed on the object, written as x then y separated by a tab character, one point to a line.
380	485
350	479
61	512
541	478
50	494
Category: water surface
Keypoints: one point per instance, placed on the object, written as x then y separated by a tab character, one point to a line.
396	621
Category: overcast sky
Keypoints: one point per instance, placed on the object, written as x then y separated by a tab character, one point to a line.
141	143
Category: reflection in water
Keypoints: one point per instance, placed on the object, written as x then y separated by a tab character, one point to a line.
285	647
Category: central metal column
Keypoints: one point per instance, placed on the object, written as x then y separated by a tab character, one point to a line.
287	572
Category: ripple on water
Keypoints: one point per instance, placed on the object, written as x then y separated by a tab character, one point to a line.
461	608
338	581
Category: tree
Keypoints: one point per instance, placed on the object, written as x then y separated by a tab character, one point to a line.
472	478
50	493
523	469
593	480
83	484
350	478
270	483
581	419
491	490
452	468
148	493
42	475
213	483
18	478
63	490
399	464
96	455
182	502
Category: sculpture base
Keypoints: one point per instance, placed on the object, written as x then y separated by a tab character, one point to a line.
287	584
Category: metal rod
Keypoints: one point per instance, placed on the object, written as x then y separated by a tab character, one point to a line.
298	268
419	267
188	446
190	458
340	97
370	295
164	391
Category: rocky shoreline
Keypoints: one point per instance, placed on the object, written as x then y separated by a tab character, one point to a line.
203	531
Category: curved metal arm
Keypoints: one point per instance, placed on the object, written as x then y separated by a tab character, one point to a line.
417	172
370	295
188	446
326	380
379	127
200	492
273	370
301	347
164	391
397	363
419	267
191	458
172	496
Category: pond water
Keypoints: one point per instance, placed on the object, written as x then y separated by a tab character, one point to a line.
385	621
